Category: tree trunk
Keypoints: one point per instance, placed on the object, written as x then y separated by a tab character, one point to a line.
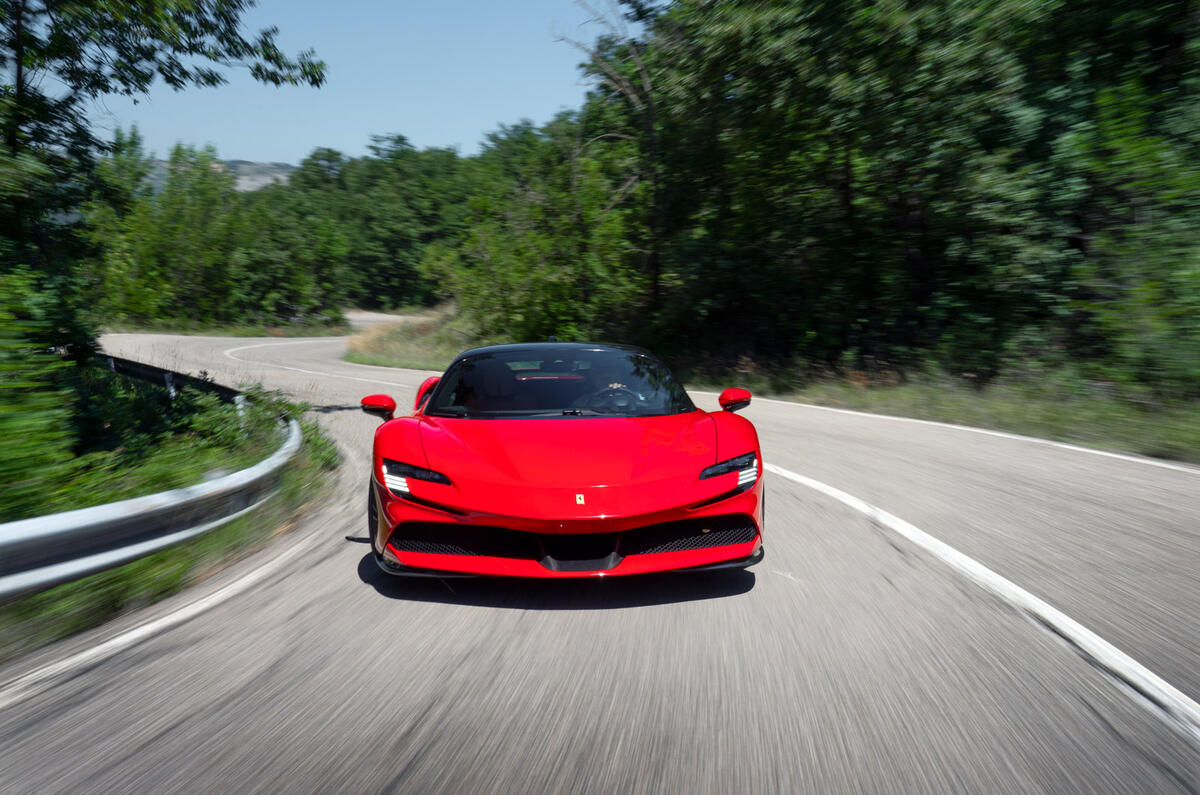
656	211
12	136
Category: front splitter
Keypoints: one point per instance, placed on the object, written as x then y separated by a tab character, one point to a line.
400	570
741	563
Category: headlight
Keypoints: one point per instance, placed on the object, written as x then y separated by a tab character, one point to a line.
396	475
745	465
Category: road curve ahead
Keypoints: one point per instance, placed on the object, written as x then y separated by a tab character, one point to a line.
851	660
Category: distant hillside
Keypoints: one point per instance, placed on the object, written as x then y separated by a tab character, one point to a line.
252	176
247	175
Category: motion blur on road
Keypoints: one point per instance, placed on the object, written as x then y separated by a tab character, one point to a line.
850	660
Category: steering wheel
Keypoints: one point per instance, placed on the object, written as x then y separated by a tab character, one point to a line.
613	399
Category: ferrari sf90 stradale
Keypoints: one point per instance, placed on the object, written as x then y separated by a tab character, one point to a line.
563	460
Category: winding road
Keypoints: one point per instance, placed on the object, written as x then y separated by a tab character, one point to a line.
851	660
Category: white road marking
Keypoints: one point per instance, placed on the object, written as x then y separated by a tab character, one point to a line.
228	352
999	434
1183	711
42	679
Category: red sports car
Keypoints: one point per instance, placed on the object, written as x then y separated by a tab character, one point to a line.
562	460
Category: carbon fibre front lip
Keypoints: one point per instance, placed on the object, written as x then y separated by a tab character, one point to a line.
400	570
755	558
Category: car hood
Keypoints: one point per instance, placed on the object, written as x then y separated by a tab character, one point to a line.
570	468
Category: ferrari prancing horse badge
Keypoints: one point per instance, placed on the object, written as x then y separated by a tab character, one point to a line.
579	499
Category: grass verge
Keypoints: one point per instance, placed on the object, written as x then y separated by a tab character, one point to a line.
1171	432
35	620
1054	407
428	341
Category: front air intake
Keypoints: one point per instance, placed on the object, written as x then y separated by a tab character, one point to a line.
717	531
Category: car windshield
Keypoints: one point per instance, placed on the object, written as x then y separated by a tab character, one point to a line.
573	383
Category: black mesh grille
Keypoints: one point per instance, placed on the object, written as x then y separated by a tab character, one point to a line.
453	539
430	547
716	531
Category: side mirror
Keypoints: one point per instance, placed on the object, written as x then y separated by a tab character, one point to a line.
734	399
424	389
380	406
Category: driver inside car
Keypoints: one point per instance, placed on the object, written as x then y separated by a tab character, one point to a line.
605	377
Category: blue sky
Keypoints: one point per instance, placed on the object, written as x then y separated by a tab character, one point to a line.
440	73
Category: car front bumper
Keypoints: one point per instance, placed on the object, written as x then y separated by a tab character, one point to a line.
426	541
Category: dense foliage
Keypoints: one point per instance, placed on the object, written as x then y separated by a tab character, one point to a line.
344	230
868	186
872	185
34	440
72	436
69	230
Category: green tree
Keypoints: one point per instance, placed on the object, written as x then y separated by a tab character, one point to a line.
35	441
62	55
187	240
121	279
546	251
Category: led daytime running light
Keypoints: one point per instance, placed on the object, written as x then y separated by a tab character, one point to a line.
395	483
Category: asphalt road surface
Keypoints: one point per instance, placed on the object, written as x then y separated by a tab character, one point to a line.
850	660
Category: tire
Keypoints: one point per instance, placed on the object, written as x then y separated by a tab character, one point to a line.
372	520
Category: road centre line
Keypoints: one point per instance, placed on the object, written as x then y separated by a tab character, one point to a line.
42	679
999	434
1182	712
230	351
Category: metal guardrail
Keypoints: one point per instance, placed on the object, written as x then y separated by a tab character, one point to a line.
166	378
43	551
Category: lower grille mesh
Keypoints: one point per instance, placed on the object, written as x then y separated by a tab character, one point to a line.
429	547
690	534
455	539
